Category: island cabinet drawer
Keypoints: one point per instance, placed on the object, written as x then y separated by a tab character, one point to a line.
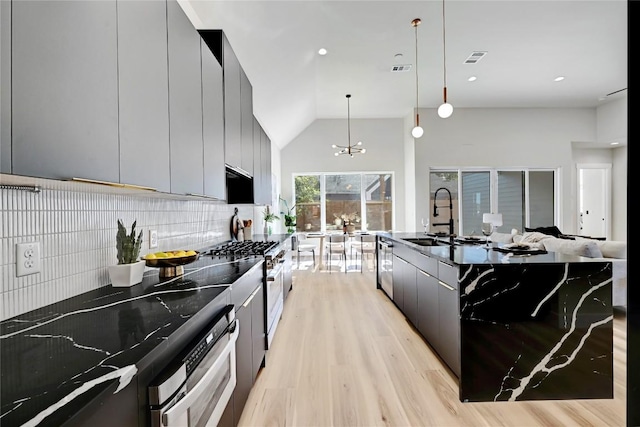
404	252
427	264
448	274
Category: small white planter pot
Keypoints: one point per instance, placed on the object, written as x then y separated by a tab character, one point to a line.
125	275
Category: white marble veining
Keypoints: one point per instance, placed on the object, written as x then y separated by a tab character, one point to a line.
541	366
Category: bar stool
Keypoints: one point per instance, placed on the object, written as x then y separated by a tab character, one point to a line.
301	245
364	244
336	243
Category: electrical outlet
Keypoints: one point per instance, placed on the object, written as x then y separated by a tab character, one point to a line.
27	258
153	238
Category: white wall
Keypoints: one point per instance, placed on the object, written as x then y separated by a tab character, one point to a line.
311	152
534	138
612	121
486	137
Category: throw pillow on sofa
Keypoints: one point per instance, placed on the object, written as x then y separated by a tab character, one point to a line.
585	248
534	239
501	237
551	231
609	248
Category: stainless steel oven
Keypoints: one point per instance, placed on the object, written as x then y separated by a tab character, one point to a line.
196	387
274	286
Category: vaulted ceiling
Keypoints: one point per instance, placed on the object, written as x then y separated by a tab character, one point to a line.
527	43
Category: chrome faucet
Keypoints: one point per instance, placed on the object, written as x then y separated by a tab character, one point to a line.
435	210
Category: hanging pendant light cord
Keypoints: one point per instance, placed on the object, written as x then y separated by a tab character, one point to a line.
349	122
444	53
417	22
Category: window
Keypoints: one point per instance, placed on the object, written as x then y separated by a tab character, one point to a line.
525	198
307	197
324	202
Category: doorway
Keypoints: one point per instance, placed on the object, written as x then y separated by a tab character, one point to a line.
594	200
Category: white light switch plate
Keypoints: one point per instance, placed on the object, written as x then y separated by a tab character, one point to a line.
153	238
27	258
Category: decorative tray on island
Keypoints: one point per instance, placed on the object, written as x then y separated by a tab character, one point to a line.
470	239
519	249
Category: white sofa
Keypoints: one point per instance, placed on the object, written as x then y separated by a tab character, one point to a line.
609	250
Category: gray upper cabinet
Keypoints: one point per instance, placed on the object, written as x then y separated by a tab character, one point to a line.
265	154
65	89
143	94
185	103
213	125
232	111
257	163
246	121
5	87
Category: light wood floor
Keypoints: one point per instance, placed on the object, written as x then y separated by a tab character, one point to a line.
344	355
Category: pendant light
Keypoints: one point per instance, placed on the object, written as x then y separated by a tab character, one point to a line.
445	110
417	131
349	149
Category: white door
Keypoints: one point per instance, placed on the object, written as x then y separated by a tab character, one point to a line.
593	199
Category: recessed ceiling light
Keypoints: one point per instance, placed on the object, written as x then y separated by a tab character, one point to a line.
615	143
472	78
397	55
558	79
322	51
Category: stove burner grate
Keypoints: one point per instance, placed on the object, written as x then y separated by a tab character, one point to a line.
245	248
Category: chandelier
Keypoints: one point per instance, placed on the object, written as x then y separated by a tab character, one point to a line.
349	149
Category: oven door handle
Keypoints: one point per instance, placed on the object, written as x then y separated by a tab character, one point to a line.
173	415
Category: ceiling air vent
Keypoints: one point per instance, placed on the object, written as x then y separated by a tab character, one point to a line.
475	57
400	68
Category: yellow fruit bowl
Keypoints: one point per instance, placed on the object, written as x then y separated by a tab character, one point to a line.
170	258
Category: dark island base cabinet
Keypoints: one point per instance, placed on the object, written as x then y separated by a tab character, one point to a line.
251	344
426	291
398	281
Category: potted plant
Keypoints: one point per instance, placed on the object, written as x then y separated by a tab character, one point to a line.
129	269
269	217
289	217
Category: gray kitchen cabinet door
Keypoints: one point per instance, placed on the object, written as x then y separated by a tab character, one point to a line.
246	122
258	334
65	89
258	196
244	360
448	344
265	154
143	94
399	267
428	312
185	103
410	293
232	111
213	125
5	87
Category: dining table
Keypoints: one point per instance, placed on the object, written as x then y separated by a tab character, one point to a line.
321	236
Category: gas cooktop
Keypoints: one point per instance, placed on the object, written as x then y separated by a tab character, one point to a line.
245	248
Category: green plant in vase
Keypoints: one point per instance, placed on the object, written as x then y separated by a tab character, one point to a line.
289	217
128	245
268	217
130	268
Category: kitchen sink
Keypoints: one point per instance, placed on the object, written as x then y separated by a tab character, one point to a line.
426	241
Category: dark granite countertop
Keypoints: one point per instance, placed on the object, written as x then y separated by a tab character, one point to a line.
462	254
57	359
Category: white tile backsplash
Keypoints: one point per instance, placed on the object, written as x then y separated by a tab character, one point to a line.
76	224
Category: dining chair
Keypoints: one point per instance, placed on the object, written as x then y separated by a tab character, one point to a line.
302	245
363	244
336	243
